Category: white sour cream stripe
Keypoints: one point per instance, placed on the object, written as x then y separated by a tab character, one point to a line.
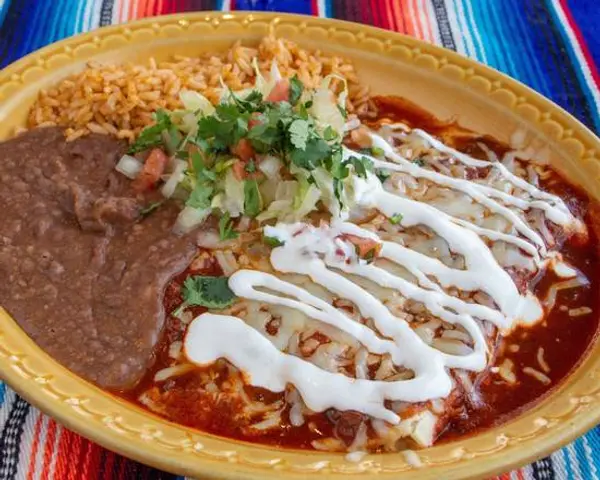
323	254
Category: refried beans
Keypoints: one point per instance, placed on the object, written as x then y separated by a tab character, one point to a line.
83	270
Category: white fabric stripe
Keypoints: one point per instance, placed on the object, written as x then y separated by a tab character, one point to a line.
574	462
589	457
585	67
226	7
476	35
96	9
115	13
458	34
87	17
9	398
321	8
464	28
434	25
39	457
26	443
559	463
125	14
528	473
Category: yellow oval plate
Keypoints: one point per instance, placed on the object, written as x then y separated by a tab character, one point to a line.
442	82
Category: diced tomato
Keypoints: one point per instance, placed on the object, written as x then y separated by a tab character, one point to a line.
151	172
243	150
239	170
280	92
366	248
254	120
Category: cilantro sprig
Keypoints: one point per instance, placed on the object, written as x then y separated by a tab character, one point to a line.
205	291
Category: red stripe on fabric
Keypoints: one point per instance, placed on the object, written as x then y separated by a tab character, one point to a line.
417	30
232	5
109	461
94	459
404	17
49	448
89	452
521	474
63	455
34	447
314	7
582	44
375	13
75	442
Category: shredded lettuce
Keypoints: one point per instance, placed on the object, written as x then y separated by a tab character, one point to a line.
326	111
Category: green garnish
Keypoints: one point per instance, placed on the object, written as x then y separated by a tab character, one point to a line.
382	175
396	219
209	292
377	152
226	231
148	209
419	161
296	89
250	167
152	136
252	199
273	241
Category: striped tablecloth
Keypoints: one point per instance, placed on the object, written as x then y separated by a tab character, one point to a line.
551	45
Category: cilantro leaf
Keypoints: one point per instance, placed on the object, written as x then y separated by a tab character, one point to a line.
272	241
419	161
329	134
382	175
361	165
396	218
205	291
226	231
296	89
200	197
313	155
377	152
148	209
298	131
252	199
152	136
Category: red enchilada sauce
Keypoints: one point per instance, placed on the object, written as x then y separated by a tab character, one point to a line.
563	338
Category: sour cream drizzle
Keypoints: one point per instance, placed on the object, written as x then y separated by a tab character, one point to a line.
323	254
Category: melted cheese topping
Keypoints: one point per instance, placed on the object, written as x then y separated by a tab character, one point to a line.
326	256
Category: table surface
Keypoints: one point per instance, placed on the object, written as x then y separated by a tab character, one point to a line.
551	45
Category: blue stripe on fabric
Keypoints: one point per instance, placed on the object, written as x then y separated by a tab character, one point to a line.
584	465
489	42
4	10
587	15
287	6
526	62
578	67
2	392
495	25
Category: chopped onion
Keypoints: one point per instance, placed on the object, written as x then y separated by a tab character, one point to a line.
196	102
188	219
168	189
270	166
129	166
275	74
